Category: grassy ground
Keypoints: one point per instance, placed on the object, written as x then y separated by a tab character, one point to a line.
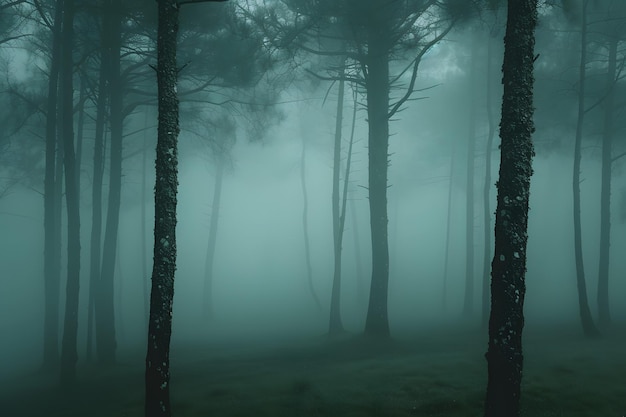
432	374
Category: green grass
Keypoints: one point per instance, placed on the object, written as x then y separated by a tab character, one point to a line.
435	374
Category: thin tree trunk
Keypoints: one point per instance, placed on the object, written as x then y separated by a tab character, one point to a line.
589	328
106	343
157	377
360	281
305	226
605	188
144	244
207	301
69	353
335	325
487	228
377	321
506	321
96	190
468	301
446	258
52	249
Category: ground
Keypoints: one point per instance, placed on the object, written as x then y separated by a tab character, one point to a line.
429	373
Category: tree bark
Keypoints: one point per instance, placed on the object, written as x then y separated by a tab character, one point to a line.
52	249
589	328
157	376
604	313
69	353
446	257
207	302
506	322
377	321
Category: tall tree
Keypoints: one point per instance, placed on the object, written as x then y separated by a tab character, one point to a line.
370	32
506	321
157	376
105	312
69	353
588	325
52	229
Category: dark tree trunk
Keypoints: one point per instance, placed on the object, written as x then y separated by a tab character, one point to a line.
335	325
588	325
98	172
157	377
69	354
52	249
506	322
105	312
207	301
377	321
468	301
604	313
305	226
487	230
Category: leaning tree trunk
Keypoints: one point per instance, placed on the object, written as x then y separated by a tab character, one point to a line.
604	313
105	312
157	376
52	250
207	301
377	321
589	328
506	322
69	353
335	325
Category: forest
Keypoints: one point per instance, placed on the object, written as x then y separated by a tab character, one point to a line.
312	208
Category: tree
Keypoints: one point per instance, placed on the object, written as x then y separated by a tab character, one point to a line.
369	33
157	376
506	321
69	354
588	325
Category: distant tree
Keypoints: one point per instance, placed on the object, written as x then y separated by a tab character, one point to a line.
588	325
369	33
69	353
506	322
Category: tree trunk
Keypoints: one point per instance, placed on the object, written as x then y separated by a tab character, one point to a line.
157	377
335	325
52	249
487	230
589	328
207	301
468	301
446	257
305	226
377	321
105	311
605	189
144	243
506	322
96	190
69	354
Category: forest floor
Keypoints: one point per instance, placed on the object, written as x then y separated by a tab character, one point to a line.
432	373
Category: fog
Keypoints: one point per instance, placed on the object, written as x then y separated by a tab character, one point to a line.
271	120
